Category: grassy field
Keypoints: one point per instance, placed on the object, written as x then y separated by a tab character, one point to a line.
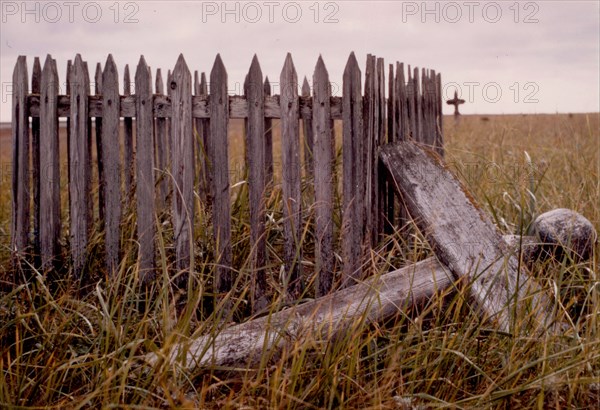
78	348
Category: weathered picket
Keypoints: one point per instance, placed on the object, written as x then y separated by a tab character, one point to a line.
218	154
49	205
110	158
323	174
181	155
353	173
291	178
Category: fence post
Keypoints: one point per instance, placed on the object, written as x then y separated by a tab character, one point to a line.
35	162
379	179
218	161
49	202
392	129
20	178
205	179
307	129
291	179
353	171
161	150
370	124
323	160
403	130
110	159
440	116
128	142
101	183
182	167
268	139
255	151
79	184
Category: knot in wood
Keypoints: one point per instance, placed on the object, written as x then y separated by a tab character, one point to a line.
173	85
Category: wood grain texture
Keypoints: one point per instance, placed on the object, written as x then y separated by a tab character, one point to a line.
440	117
36	171
79	179
145	171
111	159
307	129
370	124
218	161
323	162
162	156
379	181
205	170
21	201
200	106
353	172
375	300
418	136
255	161
99	160
182	166
49	206
463	238
403	130
268	138
128	165
392	129
291	177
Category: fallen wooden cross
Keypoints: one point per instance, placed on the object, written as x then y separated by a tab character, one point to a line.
466	244
463	238
376	299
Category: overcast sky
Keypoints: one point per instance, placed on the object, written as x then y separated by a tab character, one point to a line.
504	56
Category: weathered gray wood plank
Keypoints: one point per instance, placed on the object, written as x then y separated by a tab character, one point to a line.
323	162
255	160
98	120
68	110
379	181
440	117
268	138
375	300
21	201
392	129
219	162
36	76
89	155
403	130
291	177
205	171
128	140
418	106
353	172
162	153
307	129
462	236
182	166
144	122
200	106
110	154
79	179
411	104
370	125
49	206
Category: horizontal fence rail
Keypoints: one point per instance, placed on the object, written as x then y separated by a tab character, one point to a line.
149	151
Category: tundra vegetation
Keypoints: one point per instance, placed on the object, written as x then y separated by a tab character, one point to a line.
65	344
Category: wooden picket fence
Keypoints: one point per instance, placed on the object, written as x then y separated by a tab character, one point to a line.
164	133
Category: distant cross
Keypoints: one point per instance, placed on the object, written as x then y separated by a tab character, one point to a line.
455	102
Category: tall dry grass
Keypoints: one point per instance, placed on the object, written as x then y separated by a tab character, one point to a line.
61	346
